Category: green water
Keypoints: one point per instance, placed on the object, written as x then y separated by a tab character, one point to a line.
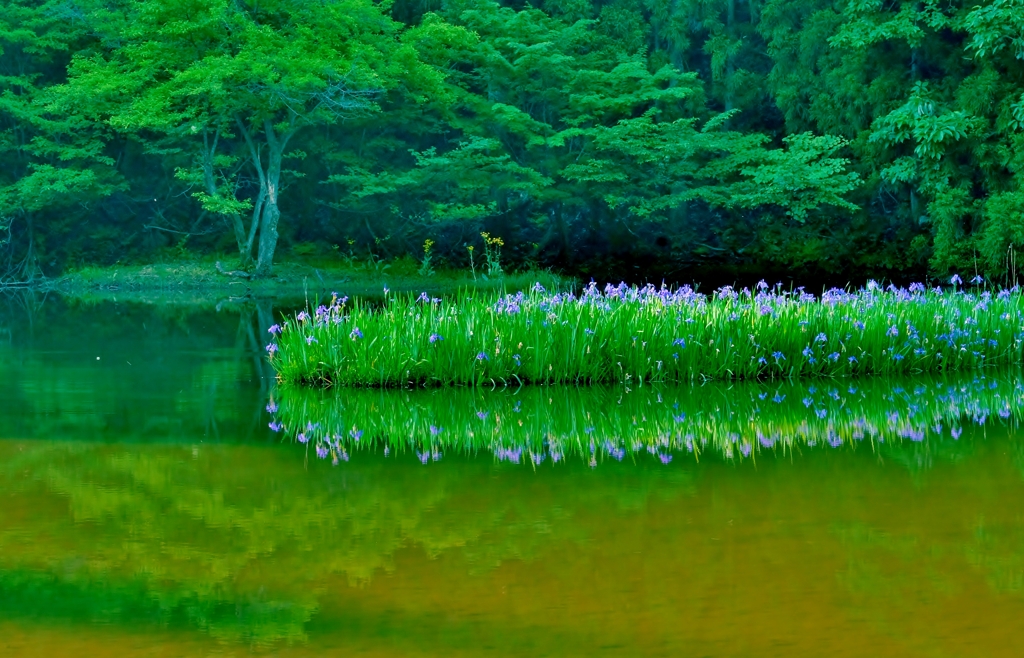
148	509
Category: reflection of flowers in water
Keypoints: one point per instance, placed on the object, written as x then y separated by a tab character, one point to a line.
528	426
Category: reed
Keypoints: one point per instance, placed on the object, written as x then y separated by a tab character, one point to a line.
630	335
731	421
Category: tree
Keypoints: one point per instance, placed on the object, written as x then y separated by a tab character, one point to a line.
51	164
228	85
560	129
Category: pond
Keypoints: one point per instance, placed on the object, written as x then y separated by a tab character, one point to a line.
150	509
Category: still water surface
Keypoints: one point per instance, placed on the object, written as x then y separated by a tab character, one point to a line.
147	509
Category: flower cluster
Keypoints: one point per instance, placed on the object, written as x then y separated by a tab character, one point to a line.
631	334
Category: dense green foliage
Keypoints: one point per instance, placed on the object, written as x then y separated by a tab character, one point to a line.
635	335
830	137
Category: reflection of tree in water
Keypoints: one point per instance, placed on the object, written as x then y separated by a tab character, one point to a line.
918	560
191	528
135	371
1018	456
239	540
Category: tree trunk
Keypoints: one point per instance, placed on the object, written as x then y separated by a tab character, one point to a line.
563	230
266	212
268	240
271	211
210	181
30	268
244	250
730	65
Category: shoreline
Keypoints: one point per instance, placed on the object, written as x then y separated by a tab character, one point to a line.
203	282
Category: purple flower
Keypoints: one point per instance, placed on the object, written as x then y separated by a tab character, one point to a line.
311	339
274	329
892	331
435	337
272	407
956	280
355	334
424	297
481	415
778	356
302	437
977	279
272	348
302	316
680	418
665	458
321	451
356	434
482	357
435	430
276	426
680	342
955	432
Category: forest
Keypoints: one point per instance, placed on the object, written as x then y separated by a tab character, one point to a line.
635	139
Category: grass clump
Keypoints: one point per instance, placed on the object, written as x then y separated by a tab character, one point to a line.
631	335
730	421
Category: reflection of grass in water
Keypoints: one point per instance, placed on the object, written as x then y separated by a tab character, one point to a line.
629	335
534	425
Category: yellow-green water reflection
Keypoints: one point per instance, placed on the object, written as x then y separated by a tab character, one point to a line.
191	541
246	546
